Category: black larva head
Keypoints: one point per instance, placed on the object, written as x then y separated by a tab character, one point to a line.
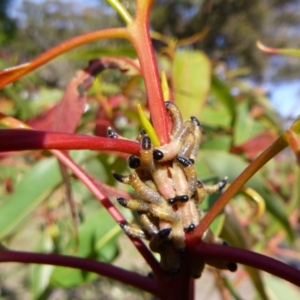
199	183
157	154
190	228
142	132
196	276
134	161
174	272
118	177
224	243
111	133
195	121
172	200
122	225
223	183
122	201
182	198
164	233
184	161
146	143
167	103
232	266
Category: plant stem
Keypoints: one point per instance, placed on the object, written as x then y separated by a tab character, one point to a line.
95	188
140	38
10	75
20	139
100	268
121	10
249	258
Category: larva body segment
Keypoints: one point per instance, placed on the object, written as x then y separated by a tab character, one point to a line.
215	188
179	181
175	115
185	214
146	154
195	217
169	258
190	173
178	236
158	239
200	192
134	204
164	212
145	192
134	231
187	145
148	224
163	182
197	130
169	151
197	267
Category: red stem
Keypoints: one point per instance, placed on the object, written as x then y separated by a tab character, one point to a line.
140	38
11	75
103	269
22	139
249	258
95	188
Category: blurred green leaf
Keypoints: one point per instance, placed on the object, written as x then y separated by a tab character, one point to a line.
29	193
40	274
222	92
245	126
222	143
217	224
97	239
191	76
226	164
279	289
215	116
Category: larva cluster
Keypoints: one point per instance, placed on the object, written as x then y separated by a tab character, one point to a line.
169	191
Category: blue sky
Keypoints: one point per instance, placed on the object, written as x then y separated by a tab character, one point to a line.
285	97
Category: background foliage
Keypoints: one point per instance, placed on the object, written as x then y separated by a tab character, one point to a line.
237	117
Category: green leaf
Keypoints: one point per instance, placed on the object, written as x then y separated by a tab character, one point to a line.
40	274
279	289
216	116
222	92
219	143
97	239
245	126
191	75
217	224
30	192
226	164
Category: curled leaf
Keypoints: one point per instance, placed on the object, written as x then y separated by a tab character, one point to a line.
148	126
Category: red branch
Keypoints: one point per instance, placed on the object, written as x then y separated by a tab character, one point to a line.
21	139
103	269
249	258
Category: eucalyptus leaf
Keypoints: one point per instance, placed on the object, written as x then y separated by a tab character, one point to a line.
29	193
225	164
191	76
97	240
